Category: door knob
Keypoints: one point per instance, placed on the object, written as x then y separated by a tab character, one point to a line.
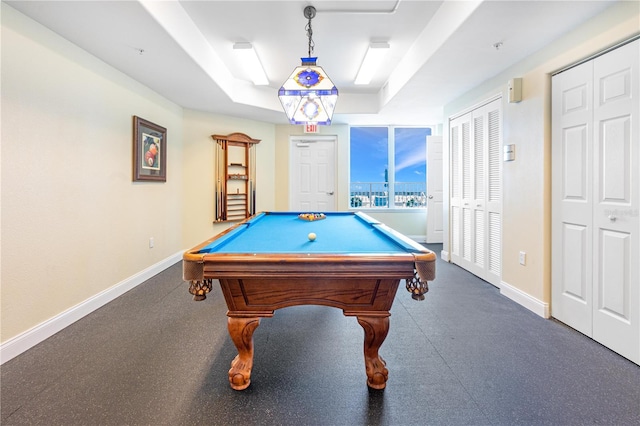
612	218
430	197
330	193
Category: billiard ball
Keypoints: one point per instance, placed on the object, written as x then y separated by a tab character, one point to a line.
312	236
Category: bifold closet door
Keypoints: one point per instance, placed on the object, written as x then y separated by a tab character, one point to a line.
596	199
476	191
572	197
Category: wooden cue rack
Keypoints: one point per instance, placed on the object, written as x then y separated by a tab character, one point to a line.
235	177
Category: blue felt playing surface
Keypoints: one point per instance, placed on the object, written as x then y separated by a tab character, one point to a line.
286	233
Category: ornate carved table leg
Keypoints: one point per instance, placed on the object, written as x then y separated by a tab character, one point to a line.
375	331
241	332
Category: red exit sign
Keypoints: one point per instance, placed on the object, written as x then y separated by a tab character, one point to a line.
311	128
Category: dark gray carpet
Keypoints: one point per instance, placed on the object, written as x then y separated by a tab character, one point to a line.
464	356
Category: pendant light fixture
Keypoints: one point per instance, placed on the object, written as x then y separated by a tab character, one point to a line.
309	95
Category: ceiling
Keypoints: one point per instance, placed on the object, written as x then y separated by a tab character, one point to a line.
438	49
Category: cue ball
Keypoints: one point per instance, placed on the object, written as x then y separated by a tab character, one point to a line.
311	236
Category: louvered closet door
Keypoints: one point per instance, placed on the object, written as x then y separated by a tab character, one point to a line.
460	228
476	192
493	196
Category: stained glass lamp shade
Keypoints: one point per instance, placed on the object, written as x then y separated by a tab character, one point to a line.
308	95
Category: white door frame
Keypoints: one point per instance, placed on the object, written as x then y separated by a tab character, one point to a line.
435	194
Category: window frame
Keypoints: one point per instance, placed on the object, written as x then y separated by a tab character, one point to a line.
391	162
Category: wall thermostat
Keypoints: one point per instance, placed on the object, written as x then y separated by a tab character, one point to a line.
515	90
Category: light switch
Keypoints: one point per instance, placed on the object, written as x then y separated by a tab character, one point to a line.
523	258
509	152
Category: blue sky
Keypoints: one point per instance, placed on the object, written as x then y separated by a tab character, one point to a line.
369	154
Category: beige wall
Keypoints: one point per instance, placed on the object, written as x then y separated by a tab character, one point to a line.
527	180
73	222
198	153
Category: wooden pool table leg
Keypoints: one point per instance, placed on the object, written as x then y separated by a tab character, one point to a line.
375	331
241	332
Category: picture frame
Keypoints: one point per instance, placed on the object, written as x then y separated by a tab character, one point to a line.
149	151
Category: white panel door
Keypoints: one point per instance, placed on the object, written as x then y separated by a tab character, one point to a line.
616	214
434	189
596	199
312	178
572	224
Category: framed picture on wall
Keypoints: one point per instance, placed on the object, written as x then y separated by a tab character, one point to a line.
149	151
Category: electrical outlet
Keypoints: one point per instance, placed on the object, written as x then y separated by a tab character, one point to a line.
151	242
523	258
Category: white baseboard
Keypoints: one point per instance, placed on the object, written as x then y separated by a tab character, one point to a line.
24	341
418	238
536	306
444	255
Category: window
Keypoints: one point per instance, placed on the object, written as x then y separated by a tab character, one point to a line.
388	167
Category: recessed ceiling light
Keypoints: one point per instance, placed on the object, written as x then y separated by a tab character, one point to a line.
372	60
249	60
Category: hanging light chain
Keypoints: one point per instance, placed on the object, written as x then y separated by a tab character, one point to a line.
310	13
310	35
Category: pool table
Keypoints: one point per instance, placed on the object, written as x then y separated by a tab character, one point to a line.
269	261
